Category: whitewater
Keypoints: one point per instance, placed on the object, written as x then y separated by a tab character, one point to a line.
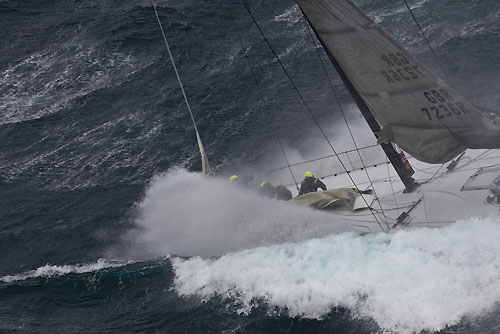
252	253
408	281
107	226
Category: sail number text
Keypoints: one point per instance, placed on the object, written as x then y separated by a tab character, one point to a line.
443	105
399	68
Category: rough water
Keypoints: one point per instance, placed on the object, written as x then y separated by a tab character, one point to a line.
106	226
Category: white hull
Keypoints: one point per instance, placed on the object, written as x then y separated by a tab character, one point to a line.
438	201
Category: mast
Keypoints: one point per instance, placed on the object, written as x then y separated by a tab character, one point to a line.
403	169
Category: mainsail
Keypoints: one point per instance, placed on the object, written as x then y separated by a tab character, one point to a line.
415	108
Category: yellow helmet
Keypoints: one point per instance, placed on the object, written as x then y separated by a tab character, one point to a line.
232	178
262	184
308	174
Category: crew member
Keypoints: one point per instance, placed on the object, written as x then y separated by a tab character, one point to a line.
310	184
266	190
282	193
241	180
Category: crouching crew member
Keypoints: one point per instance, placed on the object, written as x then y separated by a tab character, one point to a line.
266	190
282	193
241	180
310	184
279	192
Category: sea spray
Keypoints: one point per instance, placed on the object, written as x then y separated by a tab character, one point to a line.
187	214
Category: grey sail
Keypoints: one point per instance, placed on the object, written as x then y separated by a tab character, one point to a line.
415	108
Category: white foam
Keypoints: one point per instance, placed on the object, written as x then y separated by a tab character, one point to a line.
291	15
54	270
187	214
47	81
406	281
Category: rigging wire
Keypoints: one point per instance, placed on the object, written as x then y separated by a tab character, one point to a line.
173	64
438	174
341	110
258	5
322	158
479	82
426	40
456	136
205	165
307	108
392	186
273	125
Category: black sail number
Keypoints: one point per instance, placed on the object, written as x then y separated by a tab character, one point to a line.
402	74
447	113
443	111
436	112
455	109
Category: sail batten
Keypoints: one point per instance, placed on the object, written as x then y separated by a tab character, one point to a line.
415	109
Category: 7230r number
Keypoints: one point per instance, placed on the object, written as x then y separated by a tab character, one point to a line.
442	111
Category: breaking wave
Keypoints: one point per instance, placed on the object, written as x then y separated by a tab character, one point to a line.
55	271
407	281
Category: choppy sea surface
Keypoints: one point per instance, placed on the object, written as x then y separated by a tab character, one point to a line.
106	225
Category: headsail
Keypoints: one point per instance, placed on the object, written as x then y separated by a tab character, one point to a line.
416	109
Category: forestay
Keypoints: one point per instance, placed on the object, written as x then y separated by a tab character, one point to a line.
205	166
416	109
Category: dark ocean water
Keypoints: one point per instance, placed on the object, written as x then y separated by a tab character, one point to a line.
99	193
